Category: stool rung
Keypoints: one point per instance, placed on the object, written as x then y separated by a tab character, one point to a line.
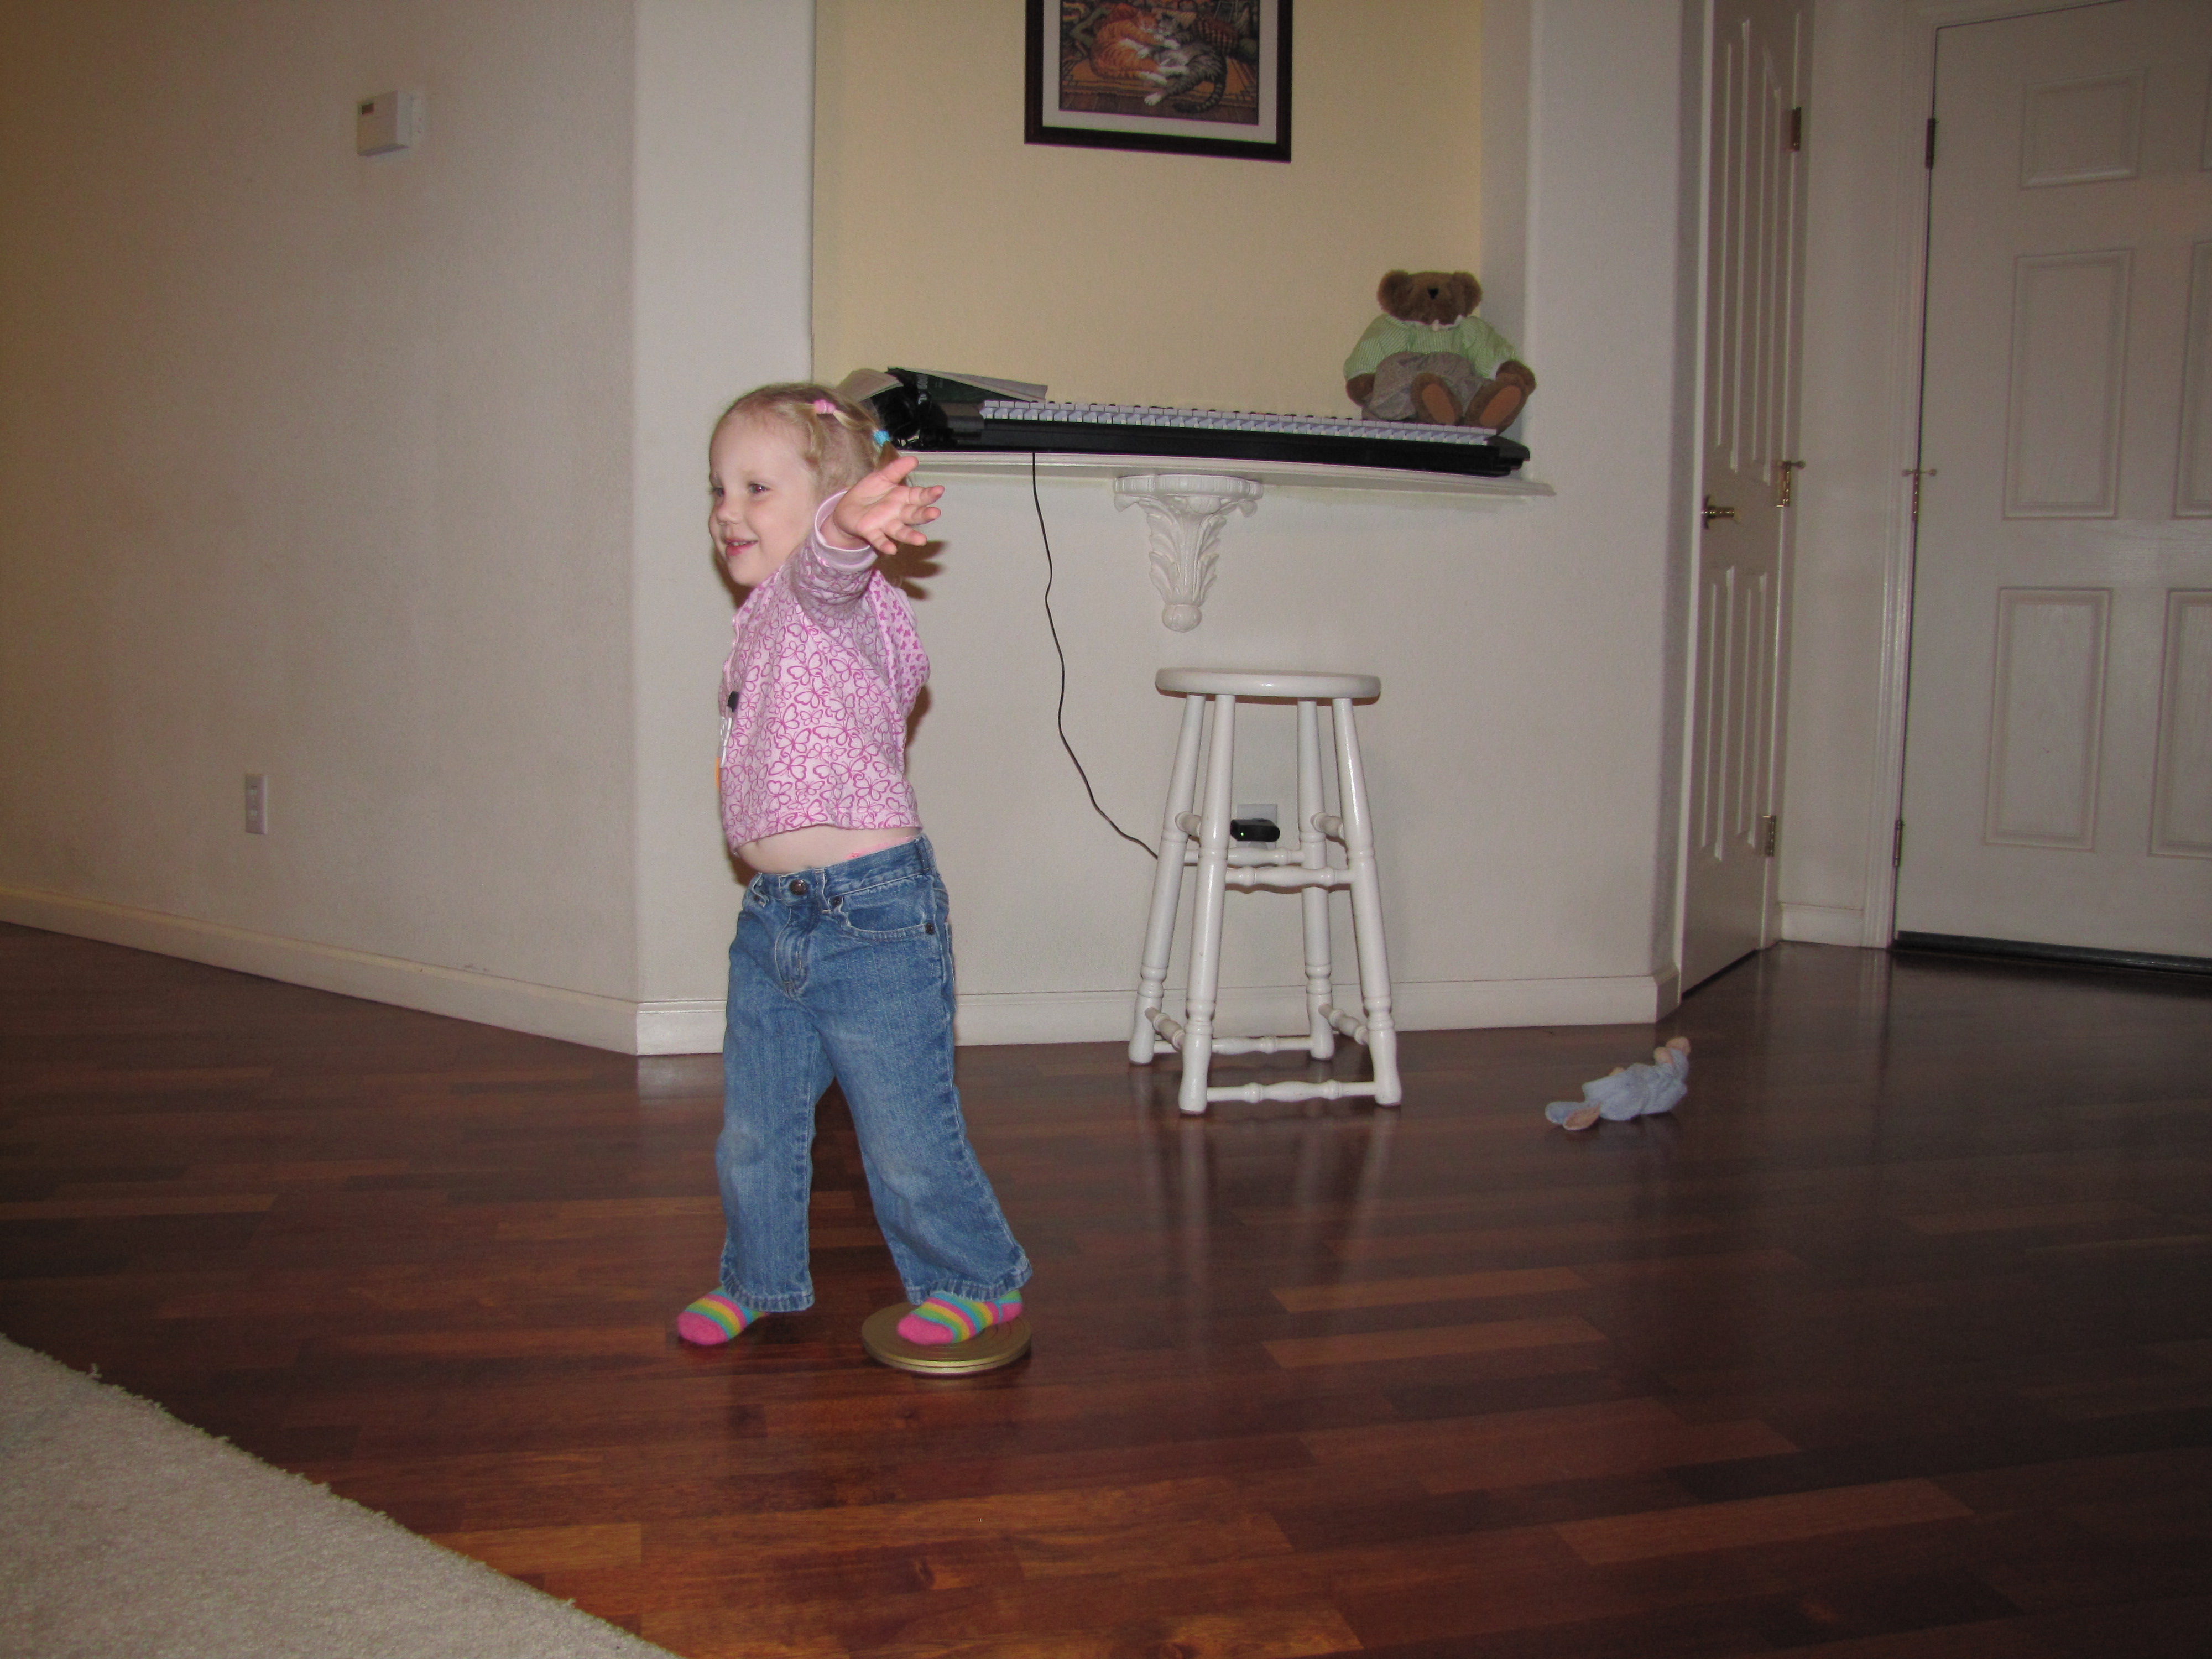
1263	1045
1280	870
1289	880
1352	1028
1170	1027
1332	1089
1241	858
1329	824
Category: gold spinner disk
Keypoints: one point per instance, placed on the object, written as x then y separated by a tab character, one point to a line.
1001	1345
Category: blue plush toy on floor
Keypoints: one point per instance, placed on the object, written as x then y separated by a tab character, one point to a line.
1630	1091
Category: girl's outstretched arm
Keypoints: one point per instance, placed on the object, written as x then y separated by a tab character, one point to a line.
884	510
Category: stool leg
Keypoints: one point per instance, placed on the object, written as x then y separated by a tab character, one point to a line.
1167	885
1366	907
1313	847
1206	925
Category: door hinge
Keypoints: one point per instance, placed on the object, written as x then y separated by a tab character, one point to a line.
1784	474
1773	835
1929	160
1897	847
1798	129
1917	473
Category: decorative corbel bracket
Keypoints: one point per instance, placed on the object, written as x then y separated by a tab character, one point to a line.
1186	512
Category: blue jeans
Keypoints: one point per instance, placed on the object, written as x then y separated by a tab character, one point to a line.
846	972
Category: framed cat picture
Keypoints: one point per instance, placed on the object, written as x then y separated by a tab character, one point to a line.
1198	77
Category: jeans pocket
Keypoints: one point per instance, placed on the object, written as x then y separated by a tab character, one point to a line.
888	914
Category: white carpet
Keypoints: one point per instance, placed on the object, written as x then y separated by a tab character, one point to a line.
124	1532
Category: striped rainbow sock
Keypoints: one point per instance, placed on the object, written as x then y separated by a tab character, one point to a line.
713	1320
945	1319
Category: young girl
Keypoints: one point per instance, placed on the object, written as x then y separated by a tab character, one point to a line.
842	963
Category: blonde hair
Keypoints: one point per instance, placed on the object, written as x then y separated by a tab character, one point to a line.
836	438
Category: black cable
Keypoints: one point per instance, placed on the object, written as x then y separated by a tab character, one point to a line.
1060	713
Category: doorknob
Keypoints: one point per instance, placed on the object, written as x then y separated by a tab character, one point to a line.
1713	512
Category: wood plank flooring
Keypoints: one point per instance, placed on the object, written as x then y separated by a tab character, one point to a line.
1895	1340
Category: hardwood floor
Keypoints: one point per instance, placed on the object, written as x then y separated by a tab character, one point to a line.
1896	1339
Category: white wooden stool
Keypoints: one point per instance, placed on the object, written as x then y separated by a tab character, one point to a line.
1305	868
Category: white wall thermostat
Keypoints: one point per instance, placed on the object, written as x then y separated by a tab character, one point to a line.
387	124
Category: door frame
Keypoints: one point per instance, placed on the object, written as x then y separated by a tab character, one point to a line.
1907	278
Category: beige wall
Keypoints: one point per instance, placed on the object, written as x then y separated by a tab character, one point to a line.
317	466
1850	490
944	242
1524	751
384	477
1867	204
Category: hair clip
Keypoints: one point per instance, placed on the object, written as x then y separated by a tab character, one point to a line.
881	437
824	406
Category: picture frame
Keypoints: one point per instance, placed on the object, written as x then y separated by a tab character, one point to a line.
1189	77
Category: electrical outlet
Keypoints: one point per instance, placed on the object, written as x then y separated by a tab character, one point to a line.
257	803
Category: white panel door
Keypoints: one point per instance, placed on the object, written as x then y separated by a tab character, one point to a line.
2058	754
1755	284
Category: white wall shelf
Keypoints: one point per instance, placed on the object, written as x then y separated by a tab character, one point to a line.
1282	475
1185	513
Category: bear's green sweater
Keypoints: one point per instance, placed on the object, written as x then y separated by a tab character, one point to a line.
1470	338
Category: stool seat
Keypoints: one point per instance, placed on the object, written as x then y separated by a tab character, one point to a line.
1267	683
1203	842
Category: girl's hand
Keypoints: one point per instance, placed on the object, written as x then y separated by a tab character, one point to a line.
884	510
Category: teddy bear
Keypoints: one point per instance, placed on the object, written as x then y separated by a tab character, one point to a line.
1429	358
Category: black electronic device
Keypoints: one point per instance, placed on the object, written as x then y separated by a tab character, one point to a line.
925	411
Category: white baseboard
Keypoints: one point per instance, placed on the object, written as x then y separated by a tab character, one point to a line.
684	1025
1824	924
693	1025
599	1022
